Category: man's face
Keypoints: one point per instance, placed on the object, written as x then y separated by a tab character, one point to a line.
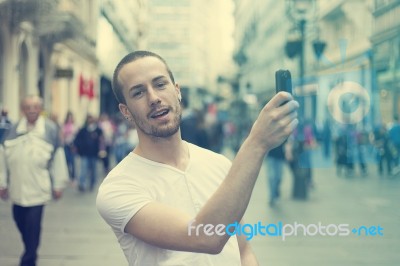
31	107
90	120
151	97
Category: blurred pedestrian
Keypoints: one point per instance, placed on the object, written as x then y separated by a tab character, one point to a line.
298	153
327	138
351	136
348	151
201	131
89	143
121	140
5	125
132	139
108	130
188	122
69	131
216	135
126	140
275	160
384	155
307	136
35	171
293	149
54	117
341	153
192	126
394	137
362	137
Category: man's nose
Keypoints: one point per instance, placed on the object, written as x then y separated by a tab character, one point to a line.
153	96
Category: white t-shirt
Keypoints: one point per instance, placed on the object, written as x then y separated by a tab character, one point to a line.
136	181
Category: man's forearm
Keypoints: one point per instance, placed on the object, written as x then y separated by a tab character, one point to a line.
231	199
228	204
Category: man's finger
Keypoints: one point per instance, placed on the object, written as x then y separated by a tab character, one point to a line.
286	110
292	126
289	107
280	98
287	119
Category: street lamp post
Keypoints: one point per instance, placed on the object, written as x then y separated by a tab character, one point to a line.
302	25
300	11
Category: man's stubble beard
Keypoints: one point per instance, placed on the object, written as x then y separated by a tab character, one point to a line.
159	131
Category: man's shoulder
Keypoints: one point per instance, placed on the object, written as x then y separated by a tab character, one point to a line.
128	170
118	178
208	155
125	180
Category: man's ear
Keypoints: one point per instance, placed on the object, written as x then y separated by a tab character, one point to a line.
124	111
178	90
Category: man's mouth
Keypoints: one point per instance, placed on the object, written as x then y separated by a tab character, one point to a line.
159	113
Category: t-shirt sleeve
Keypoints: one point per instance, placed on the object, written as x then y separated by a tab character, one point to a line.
118	201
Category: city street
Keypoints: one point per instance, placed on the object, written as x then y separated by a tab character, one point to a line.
75	235
108	72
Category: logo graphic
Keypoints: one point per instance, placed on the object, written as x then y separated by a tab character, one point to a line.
283	230
348	101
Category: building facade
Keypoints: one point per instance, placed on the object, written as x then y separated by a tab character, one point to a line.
194	37
386	50
121	30
346	67
47	48
324	44
260	37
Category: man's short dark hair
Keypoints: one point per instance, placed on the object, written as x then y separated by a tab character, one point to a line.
117	87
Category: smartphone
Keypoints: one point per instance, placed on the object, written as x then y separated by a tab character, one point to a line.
283	81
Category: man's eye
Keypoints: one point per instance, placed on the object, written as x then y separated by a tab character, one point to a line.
137	94
160	85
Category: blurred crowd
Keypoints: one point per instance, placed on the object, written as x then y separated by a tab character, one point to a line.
103	139
101	142
350	147
354	147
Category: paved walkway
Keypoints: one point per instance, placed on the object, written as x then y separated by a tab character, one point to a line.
75	235
360	200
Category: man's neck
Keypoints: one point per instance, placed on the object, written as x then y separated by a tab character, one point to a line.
171	151
30	125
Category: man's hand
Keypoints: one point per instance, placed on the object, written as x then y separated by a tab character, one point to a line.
4	193
57	194
275	122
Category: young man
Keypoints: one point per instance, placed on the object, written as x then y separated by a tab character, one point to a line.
163	195
33	170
